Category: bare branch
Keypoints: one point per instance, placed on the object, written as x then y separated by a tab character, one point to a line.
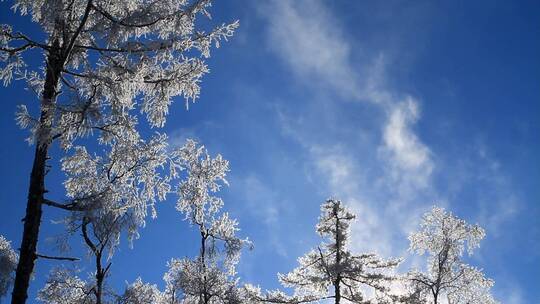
69	207
48	257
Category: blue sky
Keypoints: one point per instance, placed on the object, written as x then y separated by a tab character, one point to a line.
392	106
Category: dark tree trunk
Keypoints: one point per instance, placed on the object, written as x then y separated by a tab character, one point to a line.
56	58
100	276
32	219
205	296
337	291
337	284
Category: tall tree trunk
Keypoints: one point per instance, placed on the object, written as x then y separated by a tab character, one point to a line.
32	219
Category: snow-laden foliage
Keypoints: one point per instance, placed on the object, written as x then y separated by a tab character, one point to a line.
116	191
200	282
110	58
8	263
119	188
107	64
209	278
254	294
63	287
196	199
445	238
111	195
331	270
142	293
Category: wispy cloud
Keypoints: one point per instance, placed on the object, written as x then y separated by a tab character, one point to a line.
262	204
407	159
255	194
311	41
314	47
346	181
511	294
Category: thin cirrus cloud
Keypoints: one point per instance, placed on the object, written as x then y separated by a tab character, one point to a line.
297	36
312	44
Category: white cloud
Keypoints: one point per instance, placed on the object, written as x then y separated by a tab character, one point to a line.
310	40
514	297
344	180
407	159
307	37
497	199
179	137
314	47
407	151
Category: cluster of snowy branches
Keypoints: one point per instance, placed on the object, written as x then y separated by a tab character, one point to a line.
330	272
8	263
112	69
208	278
444	238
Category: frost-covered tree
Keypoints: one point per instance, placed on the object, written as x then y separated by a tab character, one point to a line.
8	263
444	238
65	287
111	205
115	192
105	62
143	293
210	277
332	271
112	195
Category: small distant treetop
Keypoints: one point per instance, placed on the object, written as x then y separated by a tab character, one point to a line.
445	238
143	293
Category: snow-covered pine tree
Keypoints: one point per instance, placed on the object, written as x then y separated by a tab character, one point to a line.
210	277
105	61
444	239
332	271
